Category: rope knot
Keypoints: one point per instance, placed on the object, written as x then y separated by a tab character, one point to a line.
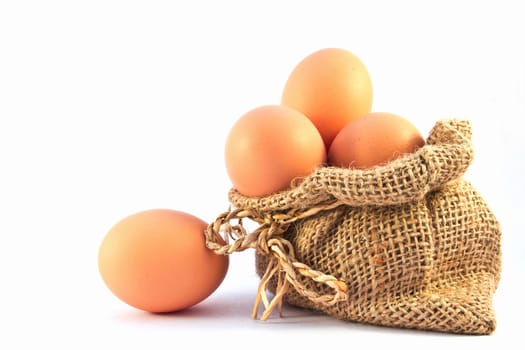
282	267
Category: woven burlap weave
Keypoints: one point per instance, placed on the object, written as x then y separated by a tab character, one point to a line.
409	244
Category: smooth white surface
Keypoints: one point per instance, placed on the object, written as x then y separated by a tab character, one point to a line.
111	107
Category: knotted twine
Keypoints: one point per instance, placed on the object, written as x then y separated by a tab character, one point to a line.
268	239
422	245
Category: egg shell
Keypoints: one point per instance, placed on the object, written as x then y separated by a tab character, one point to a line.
157	261
269	147
374	139
330	86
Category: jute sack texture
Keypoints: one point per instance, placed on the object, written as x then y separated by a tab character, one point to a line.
410	244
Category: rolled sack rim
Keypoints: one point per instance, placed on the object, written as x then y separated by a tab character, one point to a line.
446	156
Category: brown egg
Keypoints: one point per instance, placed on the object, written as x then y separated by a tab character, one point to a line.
157	260
374	139
330	86
270	146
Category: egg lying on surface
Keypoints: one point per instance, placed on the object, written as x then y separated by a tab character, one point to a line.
270	146
330	86
374	139
157	261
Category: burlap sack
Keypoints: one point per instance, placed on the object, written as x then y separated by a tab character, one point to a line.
410	244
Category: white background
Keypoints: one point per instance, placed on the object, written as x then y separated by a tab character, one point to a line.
112	107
